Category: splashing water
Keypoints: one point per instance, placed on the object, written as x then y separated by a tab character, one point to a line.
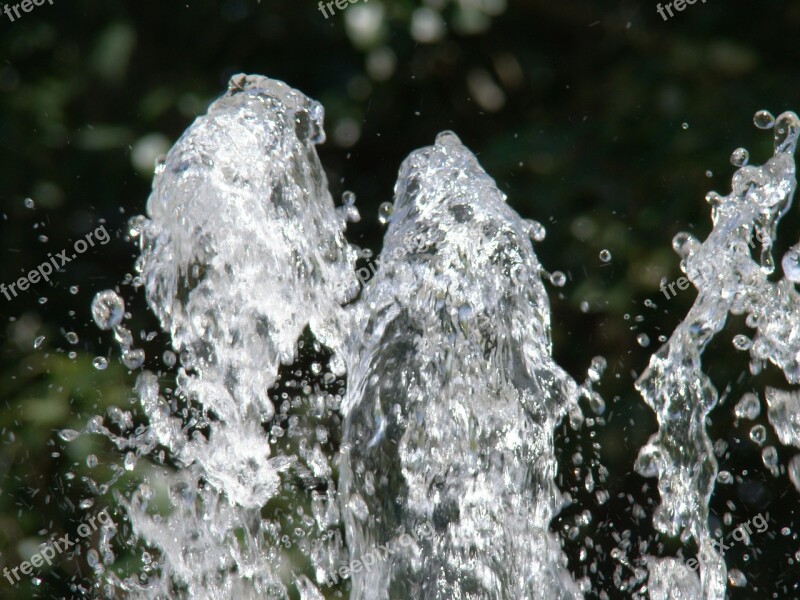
728	280
452	395
242	252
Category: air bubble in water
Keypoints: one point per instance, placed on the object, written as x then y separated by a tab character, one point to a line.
605	255
764	119
74	289
29	203
72	337
107	309
100	363
740	157
37	343
385	211
643	340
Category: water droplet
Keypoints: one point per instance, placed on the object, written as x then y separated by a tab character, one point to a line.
742	342
130	461
764	119
605	255
740	157
725	477
643	340
100	363
791	264
748	407
37	343
68	435
385	211
758	434
107	309
558	279
136	225
770	457
29	203
123	336
133	359
684	244
348	198
536	231
169	358
794	471
597	404
736	578
597	368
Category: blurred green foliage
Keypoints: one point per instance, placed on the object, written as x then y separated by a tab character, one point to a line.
597	118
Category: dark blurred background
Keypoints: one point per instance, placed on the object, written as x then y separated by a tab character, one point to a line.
597	118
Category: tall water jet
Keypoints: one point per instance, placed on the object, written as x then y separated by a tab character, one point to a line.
243	250
453	398
728	280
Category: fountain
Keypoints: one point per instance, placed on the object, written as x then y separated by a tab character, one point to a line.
438	375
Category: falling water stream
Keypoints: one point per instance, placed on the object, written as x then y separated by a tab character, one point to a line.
438	375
